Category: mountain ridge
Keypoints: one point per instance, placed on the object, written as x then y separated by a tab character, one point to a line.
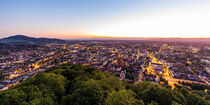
23	39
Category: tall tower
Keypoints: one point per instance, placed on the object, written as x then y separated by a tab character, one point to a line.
119	54
64	46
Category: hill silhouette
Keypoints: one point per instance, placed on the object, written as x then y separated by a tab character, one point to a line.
22	39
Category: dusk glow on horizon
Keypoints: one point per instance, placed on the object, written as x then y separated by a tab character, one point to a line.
71	19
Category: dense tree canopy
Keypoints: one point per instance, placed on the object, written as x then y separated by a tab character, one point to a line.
122	97
71	84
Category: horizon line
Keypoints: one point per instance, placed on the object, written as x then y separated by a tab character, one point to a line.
74	37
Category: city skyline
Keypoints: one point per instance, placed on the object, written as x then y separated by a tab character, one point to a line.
105	19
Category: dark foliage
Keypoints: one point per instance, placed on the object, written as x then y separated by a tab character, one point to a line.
71	84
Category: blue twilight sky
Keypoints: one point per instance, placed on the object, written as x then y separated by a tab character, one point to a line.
105	18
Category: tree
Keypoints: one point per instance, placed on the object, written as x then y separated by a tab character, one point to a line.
194	99
90	93
52	81
175	103
110	83
43	101
148	91
15	97
122	97
153	103
66	100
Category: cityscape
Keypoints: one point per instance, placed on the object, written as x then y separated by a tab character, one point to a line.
166	63
105	52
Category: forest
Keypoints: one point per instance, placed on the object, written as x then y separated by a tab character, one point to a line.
71	84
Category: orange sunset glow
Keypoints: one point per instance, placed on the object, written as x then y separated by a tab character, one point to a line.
134	19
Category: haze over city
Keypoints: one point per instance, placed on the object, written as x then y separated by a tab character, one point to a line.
80	19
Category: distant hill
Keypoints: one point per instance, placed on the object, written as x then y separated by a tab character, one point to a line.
22	39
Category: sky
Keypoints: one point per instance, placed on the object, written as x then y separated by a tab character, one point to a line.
69	19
